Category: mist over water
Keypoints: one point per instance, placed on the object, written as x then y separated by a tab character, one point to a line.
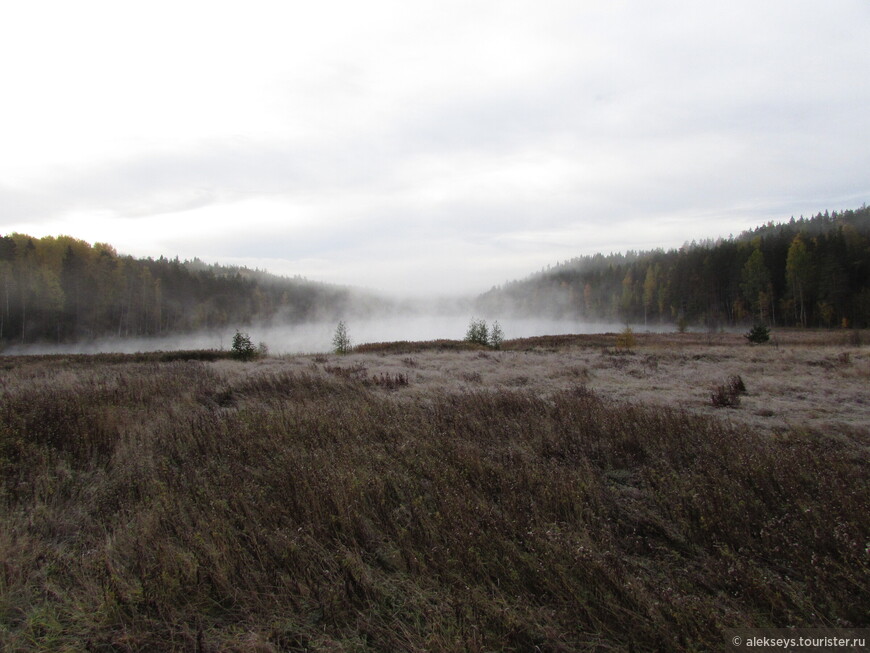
316	337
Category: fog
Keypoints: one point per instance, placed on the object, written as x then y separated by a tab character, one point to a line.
316	337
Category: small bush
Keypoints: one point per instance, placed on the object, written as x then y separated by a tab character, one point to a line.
478	332
682	324
723	397
728	394
736	385
243	348
626	340
496	336
341	340
759	334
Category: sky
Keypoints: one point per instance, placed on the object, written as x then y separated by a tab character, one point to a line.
419	147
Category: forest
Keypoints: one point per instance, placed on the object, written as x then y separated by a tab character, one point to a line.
810	272
60	289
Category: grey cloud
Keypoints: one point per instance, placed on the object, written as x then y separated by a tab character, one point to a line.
156	183
673	111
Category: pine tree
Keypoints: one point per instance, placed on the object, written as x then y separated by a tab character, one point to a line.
341	340
243	348
496	336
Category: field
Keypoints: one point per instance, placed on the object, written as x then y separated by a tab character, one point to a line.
562	494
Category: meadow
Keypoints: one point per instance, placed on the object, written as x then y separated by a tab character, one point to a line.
565	493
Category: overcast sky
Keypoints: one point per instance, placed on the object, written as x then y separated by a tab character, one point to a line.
426	146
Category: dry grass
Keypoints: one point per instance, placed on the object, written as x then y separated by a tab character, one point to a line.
530	499
811	380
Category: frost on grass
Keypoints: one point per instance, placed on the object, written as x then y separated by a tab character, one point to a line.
426	500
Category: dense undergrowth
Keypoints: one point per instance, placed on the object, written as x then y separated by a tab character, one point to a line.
183	506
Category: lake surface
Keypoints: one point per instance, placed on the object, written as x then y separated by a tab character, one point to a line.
316	337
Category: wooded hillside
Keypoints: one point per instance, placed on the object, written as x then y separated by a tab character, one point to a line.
811	272
62	289
806	272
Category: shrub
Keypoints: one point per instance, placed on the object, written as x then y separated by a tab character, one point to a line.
477	332
728	394
496	336
341	340
480	334
736	385
682	324
722	397
626	339
243	348
759	334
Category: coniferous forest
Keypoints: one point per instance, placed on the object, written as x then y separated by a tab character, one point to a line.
60	289
810	272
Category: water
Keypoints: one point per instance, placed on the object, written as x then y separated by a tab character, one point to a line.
316	337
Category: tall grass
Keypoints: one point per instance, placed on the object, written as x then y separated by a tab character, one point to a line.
169	506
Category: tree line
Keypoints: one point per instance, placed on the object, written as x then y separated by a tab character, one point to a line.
63	289
810	272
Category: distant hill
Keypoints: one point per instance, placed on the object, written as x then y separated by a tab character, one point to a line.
807	272
61	289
